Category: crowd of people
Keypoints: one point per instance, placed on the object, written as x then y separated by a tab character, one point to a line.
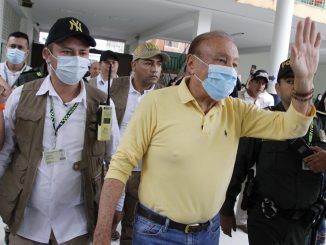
83	149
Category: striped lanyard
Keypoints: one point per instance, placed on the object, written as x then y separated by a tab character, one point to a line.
64	119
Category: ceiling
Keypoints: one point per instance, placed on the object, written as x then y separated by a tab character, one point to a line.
129	20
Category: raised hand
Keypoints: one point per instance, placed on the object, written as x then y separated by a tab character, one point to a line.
5	90
305	55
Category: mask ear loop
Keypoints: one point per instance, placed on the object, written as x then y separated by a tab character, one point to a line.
203	62
200	60
49	63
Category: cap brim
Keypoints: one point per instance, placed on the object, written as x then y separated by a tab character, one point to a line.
91	41
260	77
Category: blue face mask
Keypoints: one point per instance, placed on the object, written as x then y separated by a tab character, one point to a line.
15	56
70	69
220	81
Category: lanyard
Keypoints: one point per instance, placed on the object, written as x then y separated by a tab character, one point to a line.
311	133
64	119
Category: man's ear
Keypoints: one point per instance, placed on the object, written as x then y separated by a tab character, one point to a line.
277	88
45	54
133	65
190	64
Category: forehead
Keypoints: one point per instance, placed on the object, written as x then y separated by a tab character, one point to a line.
218	46
95	64
73	43
17	40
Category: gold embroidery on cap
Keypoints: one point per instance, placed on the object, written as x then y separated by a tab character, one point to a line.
75	24
286	63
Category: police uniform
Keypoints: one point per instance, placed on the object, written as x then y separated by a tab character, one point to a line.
284	189
31	75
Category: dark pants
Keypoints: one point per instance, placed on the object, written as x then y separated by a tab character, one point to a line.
274	231
129	208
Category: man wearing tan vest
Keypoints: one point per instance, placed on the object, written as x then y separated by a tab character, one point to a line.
127	92
51	166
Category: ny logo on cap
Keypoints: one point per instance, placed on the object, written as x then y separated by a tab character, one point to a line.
286	63
75	24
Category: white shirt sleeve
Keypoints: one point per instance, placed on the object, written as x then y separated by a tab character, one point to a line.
9	118
113	145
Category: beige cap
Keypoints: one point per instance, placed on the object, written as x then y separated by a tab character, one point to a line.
148	50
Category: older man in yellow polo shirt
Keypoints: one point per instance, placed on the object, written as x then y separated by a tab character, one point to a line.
188	136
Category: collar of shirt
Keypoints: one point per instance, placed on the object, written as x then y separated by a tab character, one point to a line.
100	79
132	89
248	97
186	96
14	72
48	87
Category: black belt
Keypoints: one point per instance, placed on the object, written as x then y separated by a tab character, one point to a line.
172	224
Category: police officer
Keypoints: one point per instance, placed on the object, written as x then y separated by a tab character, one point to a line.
285	189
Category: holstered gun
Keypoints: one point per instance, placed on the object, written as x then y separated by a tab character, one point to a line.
248	190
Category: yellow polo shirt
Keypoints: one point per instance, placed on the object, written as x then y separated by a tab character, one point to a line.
188	157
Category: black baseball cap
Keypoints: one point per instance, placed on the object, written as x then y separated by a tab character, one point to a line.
109	54
285	70
260	74
69	27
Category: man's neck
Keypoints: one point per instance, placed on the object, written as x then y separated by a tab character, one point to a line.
66	92
252	95
204	101
13	67
140	86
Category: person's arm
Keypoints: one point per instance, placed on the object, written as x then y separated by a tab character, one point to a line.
5	91
9	126
111	192
2	127
132	147
317	161
246	158
304	63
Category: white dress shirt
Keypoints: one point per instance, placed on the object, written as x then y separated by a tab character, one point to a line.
103	84
56	202
134	97
264	99
10	76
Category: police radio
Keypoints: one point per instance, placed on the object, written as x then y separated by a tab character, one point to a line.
104	116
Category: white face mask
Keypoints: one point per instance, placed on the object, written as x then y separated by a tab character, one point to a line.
15	56
70	69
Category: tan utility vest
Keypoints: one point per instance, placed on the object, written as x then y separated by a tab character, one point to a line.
17	182
119	92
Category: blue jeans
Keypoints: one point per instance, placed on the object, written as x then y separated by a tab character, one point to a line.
147	232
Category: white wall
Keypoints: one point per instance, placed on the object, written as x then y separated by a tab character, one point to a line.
262	62
320	79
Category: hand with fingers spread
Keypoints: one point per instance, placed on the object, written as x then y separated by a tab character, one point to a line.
5	90
316	162
305	55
